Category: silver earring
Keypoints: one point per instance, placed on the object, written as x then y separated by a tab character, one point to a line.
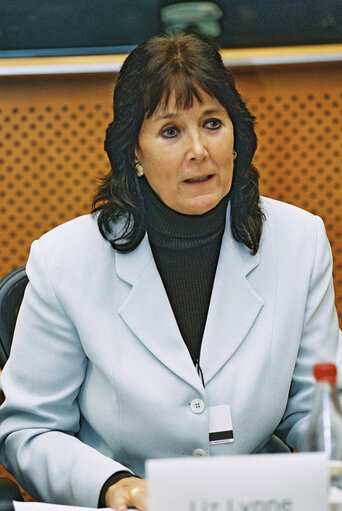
234	154
140	169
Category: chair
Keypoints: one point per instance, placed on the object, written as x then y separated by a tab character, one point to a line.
9	491
12	288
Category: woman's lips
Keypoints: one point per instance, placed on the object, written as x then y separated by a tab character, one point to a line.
199	179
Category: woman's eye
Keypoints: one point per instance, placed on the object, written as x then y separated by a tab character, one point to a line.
213	124
170	132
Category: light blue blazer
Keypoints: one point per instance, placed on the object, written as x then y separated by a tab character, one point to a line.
99	378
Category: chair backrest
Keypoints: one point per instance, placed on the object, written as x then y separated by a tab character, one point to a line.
12	288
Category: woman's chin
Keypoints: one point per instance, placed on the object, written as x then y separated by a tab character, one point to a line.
199	205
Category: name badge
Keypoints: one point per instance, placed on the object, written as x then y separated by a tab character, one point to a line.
220	425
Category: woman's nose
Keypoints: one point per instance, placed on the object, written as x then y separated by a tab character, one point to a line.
197	146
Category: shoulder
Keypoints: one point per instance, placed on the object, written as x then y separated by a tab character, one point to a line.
76	229
75	234
292	226
69	257
284	216
72	242
279	209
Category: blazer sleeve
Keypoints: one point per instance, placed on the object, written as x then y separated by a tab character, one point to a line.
319	341
40	417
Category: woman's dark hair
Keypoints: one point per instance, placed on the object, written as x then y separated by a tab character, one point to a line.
186	64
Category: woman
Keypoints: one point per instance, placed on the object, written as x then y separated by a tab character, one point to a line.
184	297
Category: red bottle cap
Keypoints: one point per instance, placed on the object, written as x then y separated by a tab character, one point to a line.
325	372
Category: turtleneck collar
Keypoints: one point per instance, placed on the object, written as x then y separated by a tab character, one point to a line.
170	229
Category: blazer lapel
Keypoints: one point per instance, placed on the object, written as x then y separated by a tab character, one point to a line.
234	306
148	313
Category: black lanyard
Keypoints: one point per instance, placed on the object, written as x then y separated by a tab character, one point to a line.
199	371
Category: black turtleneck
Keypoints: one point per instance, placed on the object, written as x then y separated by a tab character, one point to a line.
186	250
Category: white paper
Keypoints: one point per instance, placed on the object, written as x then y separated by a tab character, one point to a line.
274	482
42	506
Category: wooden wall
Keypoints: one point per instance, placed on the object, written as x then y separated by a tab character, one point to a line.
51	148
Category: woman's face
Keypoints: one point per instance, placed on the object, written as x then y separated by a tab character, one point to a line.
187	155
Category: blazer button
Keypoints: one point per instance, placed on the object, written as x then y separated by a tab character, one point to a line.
197	405
199	452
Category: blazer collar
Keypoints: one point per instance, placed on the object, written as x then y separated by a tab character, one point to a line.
148	313
233	308
234	305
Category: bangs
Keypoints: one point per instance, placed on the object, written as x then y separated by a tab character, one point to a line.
183	66
186	90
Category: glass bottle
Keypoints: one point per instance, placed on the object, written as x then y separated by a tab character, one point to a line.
325	429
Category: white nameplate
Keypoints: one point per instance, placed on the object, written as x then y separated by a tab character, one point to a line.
263	482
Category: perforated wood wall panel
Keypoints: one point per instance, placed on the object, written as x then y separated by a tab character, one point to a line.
51	149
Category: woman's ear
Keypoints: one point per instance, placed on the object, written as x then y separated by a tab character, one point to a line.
136	153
